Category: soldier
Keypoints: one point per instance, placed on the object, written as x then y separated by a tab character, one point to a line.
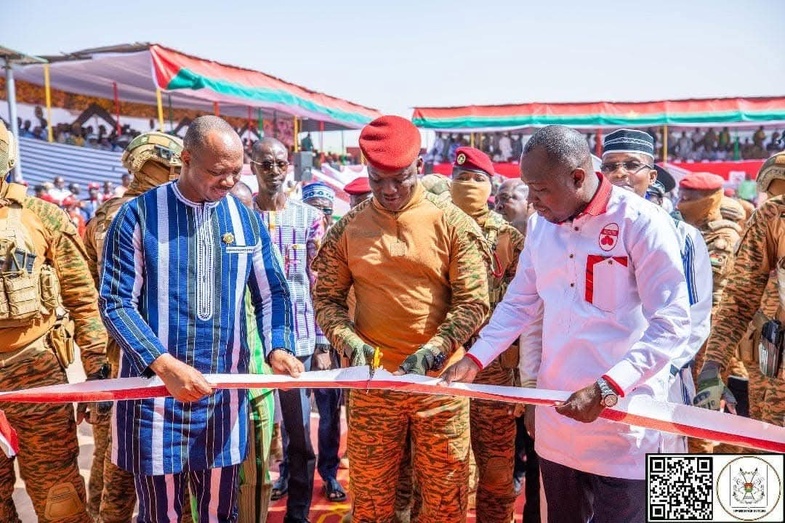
152	159
416	263
48	304
700	201
749	288
358	191
492	426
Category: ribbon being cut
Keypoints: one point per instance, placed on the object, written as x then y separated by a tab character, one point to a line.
636	410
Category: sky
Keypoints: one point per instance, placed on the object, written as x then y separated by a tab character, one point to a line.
400	54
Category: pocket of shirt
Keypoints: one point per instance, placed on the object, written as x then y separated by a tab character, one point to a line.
607	281
295	258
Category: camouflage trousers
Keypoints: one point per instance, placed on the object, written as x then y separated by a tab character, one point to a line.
379	426
255	483
493	444
773	410
119	494
48	446
95	486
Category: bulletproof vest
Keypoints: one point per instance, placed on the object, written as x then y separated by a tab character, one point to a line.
29	288
104	216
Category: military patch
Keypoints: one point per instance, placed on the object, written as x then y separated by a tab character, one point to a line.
228	238
609	237
461	159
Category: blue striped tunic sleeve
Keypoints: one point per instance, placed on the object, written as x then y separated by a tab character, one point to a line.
121	283
270	295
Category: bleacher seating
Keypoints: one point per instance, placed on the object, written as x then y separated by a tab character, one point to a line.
42	161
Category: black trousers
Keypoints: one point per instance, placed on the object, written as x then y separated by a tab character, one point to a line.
574	496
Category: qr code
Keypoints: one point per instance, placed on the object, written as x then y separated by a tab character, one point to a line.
680	487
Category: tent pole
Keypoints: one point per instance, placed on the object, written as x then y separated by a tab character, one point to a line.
598	143
664	143
216	109
48	91
250	120
10	88
296	135
171	124
343	148
117	108
260	124
471	139
321	136
160	108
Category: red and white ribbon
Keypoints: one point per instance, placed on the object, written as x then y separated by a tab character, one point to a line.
641	411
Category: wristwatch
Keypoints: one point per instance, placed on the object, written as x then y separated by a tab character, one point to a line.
609	396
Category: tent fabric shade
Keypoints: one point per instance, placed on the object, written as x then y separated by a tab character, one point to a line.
191	82
736	112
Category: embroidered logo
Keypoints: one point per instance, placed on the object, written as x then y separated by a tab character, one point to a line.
227	238
461	159
609	237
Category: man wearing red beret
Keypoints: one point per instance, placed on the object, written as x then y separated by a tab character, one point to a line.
700	201
492	423
418	270
358	190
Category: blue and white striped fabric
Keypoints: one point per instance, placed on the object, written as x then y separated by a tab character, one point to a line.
174	279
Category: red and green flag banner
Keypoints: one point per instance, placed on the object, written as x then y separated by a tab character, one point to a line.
716	111
175	71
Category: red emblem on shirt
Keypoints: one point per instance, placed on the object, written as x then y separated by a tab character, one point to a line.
609	236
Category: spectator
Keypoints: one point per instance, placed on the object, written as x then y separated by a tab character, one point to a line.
108	193
723	141
710	140
125	181
505	147
93	201
759	137
684	146
73	210
774	145
75	189
306	144
58	192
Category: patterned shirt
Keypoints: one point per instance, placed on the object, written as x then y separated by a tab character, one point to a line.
297	231
174	280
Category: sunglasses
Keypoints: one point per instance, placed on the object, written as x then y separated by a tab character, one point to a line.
630	167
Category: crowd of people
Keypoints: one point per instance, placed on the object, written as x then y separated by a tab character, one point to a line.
696	145
569	278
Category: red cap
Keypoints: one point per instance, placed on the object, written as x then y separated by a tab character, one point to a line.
93	185
358	186
471	159
702	182
390	143
730	193
69	201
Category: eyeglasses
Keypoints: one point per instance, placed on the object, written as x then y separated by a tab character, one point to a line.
269	165
630	167
326	210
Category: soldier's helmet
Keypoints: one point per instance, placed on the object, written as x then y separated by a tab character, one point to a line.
157	147
8	150
772	169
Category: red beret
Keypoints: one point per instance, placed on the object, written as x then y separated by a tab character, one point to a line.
358	186
471	159
702	182
390	143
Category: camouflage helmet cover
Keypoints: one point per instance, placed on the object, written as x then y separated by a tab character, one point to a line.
772	169
154	146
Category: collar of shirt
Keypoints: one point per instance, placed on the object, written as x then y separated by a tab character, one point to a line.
599	202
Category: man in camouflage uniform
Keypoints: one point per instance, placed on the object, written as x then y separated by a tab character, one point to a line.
419	274
492	423
48	302
750	296
700	201
152	159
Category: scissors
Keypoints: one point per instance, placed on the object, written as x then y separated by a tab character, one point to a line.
374	364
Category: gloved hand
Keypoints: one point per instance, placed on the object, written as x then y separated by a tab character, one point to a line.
711	391
95	412
424	359
322	357
360	356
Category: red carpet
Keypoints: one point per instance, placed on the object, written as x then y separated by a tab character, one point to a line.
322	511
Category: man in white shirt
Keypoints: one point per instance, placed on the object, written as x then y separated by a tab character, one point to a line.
505	147
628	162
602	279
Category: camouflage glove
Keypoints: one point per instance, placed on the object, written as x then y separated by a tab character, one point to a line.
424	359
711	391
360	356
95	412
